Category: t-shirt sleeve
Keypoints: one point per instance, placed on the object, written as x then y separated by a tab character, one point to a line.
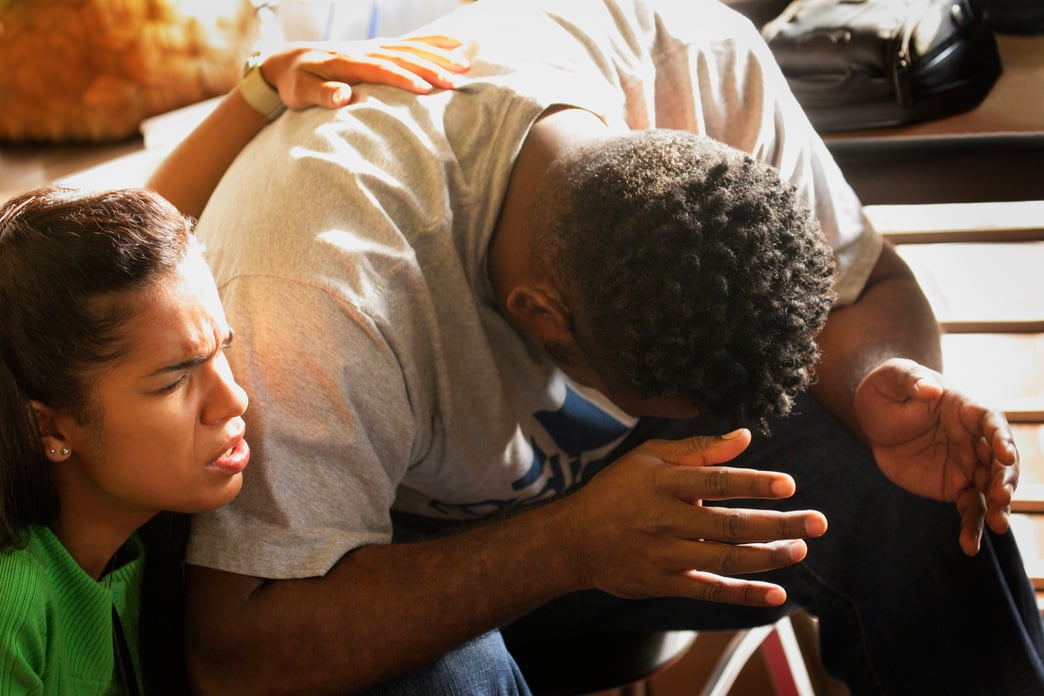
330	430
306	235
787	141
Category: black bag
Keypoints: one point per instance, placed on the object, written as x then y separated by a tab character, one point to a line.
871	63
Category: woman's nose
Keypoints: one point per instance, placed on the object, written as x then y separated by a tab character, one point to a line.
226	399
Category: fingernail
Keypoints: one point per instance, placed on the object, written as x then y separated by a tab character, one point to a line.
734	434
783	487
815	526
928	381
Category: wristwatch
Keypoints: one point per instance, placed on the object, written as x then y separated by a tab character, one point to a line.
258	93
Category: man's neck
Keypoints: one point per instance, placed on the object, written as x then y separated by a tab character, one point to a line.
510	259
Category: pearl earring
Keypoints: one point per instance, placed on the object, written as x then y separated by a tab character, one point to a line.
52	450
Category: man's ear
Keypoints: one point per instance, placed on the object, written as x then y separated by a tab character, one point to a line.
52	432
539	313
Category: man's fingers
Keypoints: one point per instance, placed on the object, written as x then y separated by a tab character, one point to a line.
971	505
994	427
998	518
699	450
900	379
740	526
726	483
1003	481
706	567
736	559
708	587
689	522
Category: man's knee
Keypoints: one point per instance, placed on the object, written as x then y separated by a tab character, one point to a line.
482	666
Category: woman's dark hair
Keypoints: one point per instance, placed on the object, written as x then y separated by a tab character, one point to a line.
73	266
691	269
67	262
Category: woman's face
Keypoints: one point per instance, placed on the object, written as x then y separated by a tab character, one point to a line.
170	436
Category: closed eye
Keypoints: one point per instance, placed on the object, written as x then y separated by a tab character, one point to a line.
173	385
187	365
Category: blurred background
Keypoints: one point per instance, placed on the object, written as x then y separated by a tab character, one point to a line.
85	83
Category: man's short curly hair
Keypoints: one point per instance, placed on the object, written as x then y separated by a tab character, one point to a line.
692	270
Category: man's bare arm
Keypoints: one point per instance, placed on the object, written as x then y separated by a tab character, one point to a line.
881	374
637	529
891	318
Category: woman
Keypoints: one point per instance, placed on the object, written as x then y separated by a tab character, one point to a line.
117	400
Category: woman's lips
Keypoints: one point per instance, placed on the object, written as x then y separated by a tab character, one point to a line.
234	459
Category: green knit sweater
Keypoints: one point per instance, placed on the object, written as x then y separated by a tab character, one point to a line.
56	623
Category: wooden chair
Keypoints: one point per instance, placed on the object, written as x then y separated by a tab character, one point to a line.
620	662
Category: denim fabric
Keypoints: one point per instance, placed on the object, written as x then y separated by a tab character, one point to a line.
902	610
481	667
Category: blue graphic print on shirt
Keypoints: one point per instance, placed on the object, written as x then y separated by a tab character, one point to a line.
579	435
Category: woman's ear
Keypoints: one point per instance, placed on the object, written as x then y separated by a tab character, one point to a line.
56	446
540	314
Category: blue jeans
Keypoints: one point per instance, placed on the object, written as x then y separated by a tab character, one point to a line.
481	667
901	609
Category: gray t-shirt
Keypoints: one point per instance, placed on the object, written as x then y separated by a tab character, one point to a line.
350	250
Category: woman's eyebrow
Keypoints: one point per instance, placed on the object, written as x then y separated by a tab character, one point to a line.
195	360
187	364
183	365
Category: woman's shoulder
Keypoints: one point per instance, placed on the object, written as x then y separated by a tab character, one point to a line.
28	599
25	572
34	555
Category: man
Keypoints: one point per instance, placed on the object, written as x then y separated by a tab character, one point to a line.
439	343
